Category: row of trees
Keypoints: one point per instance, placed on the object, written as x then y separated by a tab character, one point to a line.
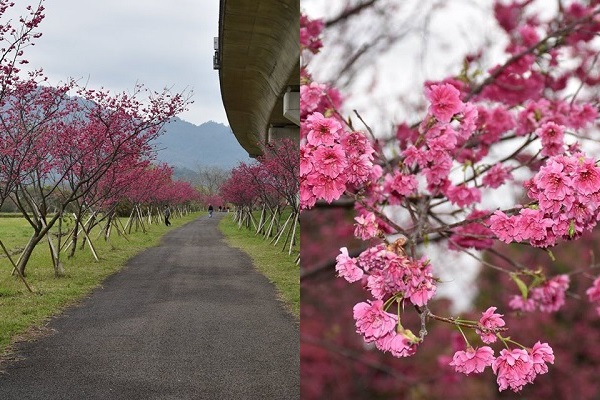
69	148
271	185
500	151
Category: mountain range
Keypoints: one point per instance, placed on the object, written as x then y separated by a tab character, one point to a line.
186	146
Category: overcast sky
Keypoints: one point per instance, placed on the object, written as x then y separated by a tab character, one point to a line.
116	43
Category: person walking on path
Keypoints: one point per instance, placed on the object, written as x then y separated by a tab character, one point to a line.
167	216
210	210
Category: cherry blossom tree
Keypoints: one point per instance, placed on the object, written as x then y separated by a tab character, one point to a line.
241	191
89	139
14	38
280	166
71	147
272	183
446	183
281	163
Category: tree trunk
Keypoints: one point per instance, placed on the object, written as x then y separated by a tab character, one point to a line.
74	239
109	223
26	255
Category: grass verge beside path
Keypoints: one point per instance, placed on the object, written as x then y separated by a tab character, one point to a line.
23	314
277	265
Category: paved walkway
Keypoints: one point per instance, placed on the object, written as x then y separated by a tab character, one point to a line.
190	319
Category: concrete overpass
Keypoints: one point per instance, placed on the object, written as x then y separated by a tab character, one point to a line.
257	54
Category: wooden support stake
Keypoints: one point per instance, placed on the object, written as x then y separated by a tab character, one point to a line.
89	241
15	267
293	240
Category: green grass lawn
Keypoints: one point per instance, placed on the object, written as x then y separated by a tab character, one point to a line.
272	261
21	310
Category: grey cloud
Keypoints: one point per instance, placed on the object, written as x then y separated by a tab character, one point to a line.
115	44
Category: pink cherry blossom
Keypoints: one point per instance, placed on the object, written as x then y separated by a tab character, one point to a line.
503	226
356	143
513	369
593	293
494	123
489	320
330	161
445	101
462	195
373	257
529	35
366	226
550	296
399	185
553	181
532	225
372	321
390	277
306	160
398	344
552	136
428	176
307	197
321	130
587	177
468	121
517	302
327	187
359	169
541	353
310	96
420	284
347	267
406	135
472	360
310	29
438	168
496	176
442	137
413	155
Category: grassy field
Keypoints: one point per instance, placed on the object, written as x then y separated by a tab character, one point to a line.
21	310
277	265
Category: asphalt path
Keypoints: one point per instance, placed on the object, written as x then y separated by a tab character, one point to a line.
189	319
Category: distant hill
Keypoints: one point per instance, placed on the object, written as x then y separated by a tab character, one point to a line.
187	146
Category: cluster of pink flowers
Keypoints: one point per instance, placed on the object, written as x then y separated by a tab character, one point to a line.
391	274
392	277
514	368
489	321
536	116
567	192
310	30
366	226
517	102
383	328
472	360
517	367
449	124
548	297
331	160
320	97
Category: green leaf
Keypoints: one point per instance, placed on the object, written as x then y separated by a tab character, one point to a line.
571	229
521	285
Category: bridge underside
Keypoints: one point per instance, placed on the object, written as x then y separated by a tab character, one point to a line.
258	60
